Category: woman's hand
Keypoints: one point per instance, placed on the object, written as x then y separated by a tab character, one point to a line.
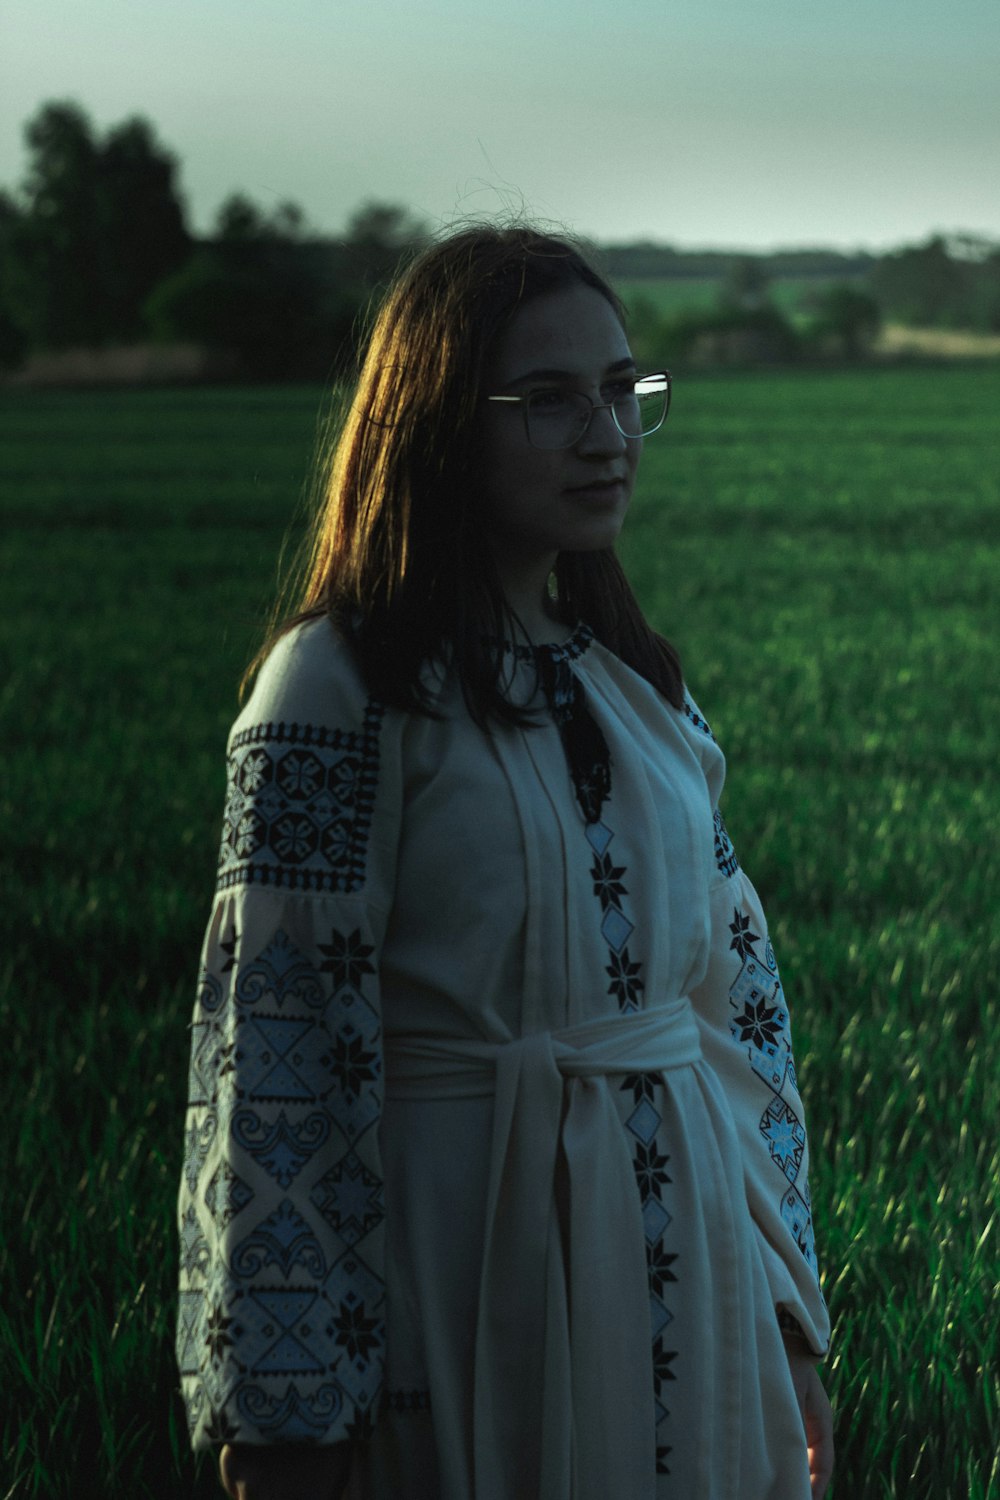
817	1415
284	1472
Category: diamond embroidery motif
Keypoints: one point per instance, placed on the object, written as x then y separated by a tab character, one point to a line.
599	836
226	1195
659	1316
654	1219
643	1122
616	928
350	1199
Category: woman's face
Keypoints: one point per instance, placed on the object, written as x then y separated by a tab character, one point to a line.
539	502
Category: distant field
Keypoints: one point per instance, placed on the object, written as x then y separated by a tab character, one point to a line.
670	295
825	550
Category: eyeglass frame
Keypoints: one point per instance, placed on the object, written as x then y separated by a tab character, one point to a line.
595	406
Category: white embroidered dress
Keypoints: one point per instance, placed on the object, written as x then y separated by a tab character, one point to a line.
495	1160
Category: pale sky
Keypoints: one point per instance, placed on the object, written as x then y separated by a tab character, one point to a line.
733	123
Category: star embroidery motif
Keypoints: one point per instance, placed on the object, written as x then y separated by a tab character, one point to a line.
355	1331
649	1167
625	982
784	1143
607	881
352	1064
662	1360
743	938
757	1024
643	1086
659	1263
217	1335
347	958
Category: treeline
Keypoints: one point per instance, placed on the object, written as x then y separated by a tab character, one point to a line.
95	251
948	282
647	260
834	305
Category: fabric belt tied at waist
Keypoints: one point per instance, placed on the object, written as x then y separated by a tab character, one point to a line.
564	1399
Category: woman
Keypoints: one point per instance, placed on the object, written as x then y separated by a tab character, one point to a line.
496	1176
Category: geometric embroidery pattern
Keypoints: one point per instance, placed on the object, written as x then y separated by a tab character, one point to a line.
279	974
284	1320
650	1166
624	972
194	1251
283	1240
785	1136
649	1163
274	1331
281	1147
226	1195
407	1400
280	1059
725	854
759	1025
350	1198
299	805
294	1415
696	718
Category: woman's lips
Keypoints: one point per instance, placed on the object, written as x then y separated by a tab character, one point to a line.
609	489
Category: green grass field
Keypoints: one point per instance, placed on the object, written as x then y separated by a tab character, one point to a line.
825	550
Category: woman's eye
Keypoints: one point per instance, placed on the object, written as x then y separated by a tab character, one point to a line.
548	402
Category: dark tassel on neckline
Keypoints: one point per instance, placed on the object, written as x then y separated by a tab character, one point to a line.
586	749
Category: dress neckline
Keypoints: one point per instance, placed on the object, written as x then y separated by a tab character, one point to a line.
575	644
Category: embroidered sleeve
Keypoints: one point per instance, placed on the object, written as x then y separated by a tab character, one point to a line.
746	1036
280	1331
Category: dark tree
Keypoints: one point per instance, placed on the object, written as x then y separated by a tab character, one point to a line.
13	339
142	223
54	258
378	235
922	285
98	223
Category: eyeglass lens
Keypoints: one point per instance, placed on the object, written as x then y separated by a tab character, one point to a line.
558	419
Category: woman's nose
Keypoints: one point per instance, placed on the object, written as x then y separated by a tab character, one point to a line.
602	434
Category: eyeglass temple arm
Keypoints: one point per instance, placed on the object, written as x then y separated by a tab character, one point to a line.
663	375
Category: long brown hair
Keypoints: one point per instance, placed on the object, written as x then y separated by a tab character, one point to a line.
397	557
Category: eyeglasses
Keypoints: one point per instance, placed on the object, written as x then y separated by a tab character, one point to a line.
556	418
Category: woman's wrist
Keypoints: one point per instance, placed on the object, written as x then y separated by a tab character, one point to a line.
284	1471
796	1344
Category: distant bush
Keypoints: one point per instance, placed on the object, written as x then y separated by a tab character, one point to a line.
845	321
727	336
952	283
268	311
285	306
